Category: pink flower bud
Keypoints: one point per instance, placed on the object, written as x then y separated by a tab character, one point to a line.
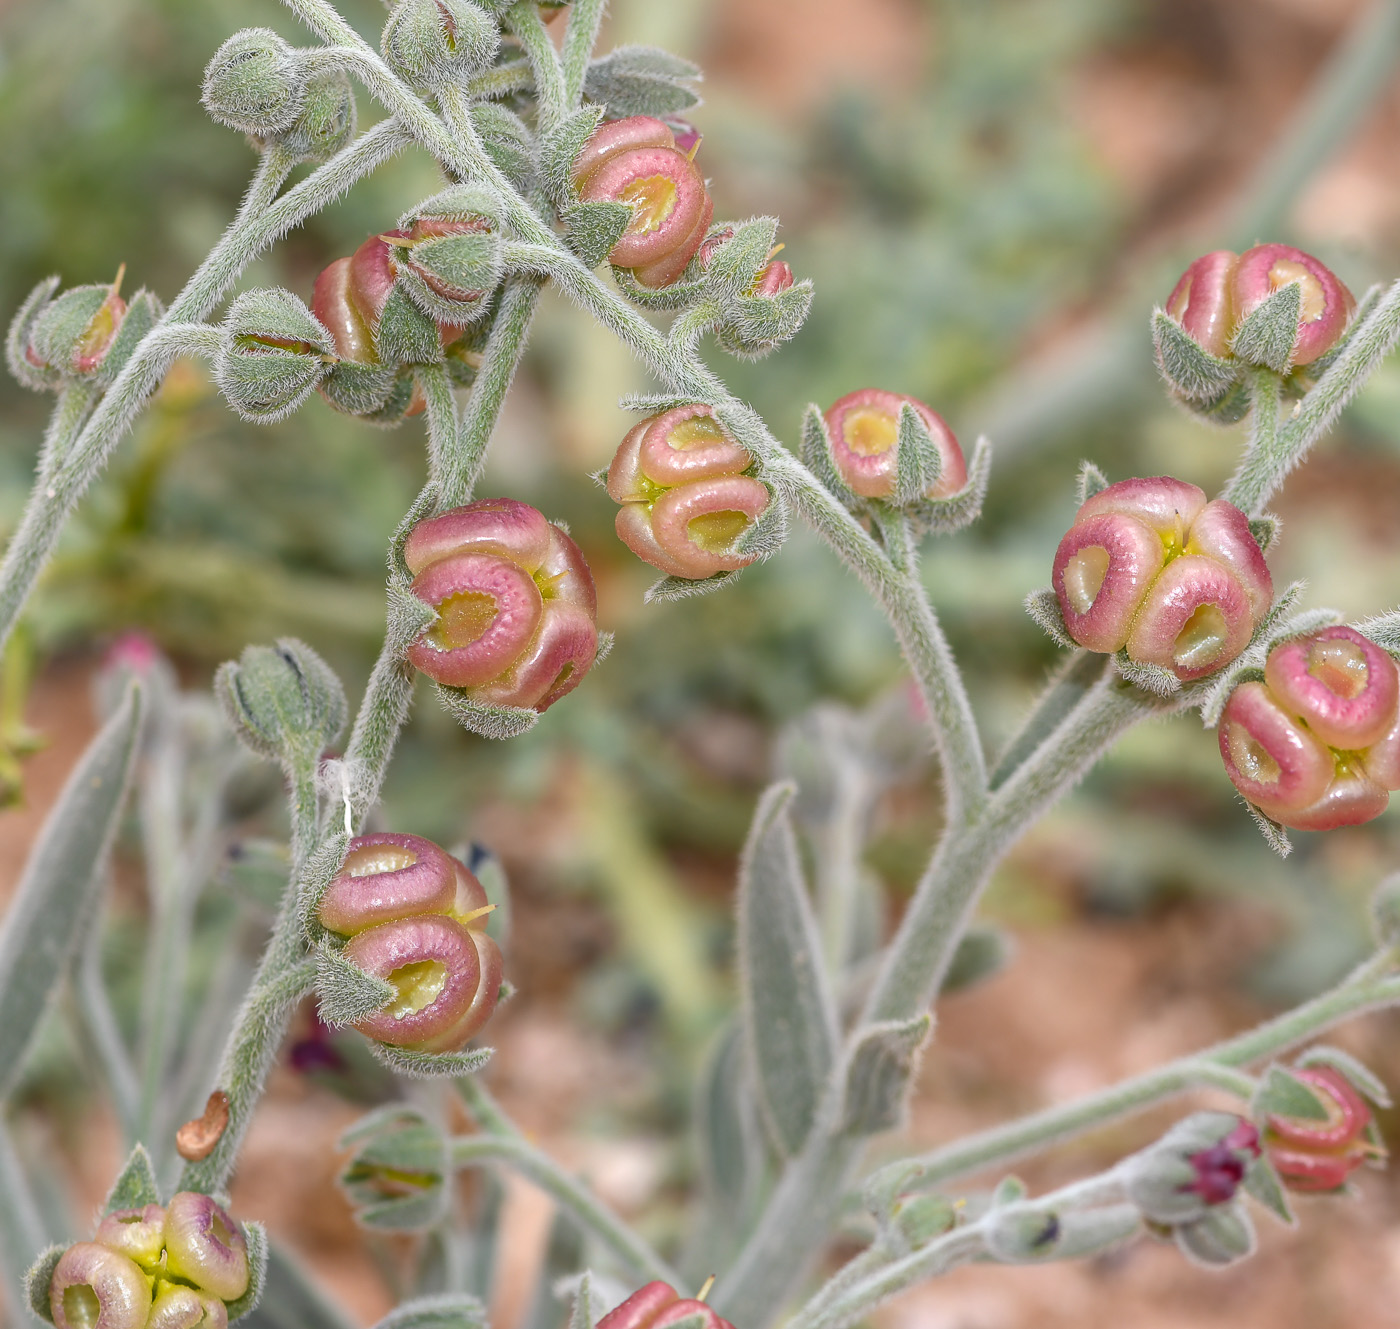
777	276
1270	758
387	876
685	500
1381	760
658	1304
1319	1155
204	1246
178	1307
1326	303
1352	799
97	1288
1219	1170
1342	686
1200	301
864	429
1151	566
447	978
636	161
139	1234
517	607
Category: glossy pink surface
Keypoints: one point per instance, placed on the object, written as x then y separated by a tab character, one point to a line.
1201	301
872	474
1255	732
1344	687
356	899
1327	304
1135	557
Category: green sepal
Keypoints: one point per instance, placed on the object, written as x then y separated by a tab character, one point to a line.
641	80
1361	1077
818	458
143	312
1091	481
458	203
1262	1181
686	588
327	120
483	718
256	1236
1189	369
586	1311
406	335
1284	1095
427	1065
346	994
360	389
1274	834
1268	335
735	265
321	869
881	1065
33	377
559	149
400	401
1227	409
1365	307
652	403
273	353
1384	630
592	229
1151	678
59	326
1044	608
136	1186
253	83
754	325
918	463
763	537
1218	696
37	1280
451	1310
419	44
982	952
944	516
664	299
1265	529
1223	1236
400	1146
1009	1190
508	142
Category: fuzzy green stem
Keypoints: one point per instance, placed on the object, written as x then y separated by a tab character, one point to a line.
551	95
1262	467
443	423
580	37
70	413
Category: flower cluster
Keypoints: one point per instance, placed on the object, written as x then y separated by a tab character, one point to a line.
1316	744
1319	1154
637	161
415	917
517	609
406	297
1151	567
158	1267
685	492
1219	291
864	431
657	1305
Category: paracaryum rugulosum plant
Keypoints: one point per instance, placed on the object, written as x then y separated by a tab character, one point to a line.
557	165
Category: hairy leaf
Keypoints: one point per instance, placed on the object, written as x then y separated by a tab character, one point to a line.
136	1186
878	1074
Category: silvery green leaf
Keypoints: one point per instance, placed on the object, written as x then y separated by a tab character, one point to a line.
1044	608
1190	370
455	1310
1261	1180
641	80
764	537
58	891
1274	834
256	1237
585	1313
347	994
1091	481
1361	1076
943	516
428	1065
735	265
982	952
1224	1236
918	462
728	1132
593	228
508	142
1285	1095
484	718
405	335
1265	529
23	1229
1269	333
817	456
1149	677
788	1011
37	1280
685	588
878	1073
559	148
17	338
650	60
136	1186
562	1256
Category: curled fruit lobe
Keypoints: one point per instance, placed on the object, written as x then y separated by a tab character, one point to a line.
864	430
1313	1154
1317	744
656	1305
94	1287
685	496
139	1234
517	609
1150	566
204	1246
638	162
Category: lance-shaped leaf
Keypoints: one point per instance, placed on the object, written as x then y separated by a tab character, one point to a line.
686	588
789	1015
1274	834
397	1176
347	993
817	456
1190	370
587	1309
483	718
594	228
562	1256
136	1186
1362	1077
455	1310
560	146
878	1073
729	1136
1044	608
429	1065
641	80
982	952
943	516
1091	481
58	891
918	463
1270	332
256	1237
23	1232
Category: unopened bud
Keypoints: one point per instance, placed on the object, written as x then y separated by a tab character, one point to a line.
448	254
74	333
273	354
254	83
1201	1162
397	1177
326	121
283	701
1222	1236
436	42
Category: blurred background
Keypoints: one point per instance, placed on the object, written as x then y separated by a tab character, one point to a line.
989	198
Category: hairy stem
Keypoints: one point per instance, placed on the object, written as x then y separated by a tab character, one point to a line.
585	18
